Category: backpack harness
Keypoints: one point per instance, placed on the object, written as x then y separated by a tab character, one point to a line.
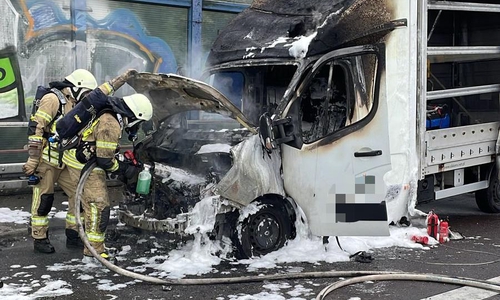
40	93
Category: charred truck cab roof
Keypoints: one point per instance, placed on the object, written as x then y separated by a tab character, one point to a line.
273	29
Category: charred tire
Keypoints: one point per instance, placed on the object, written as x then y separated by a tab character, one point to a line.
488	200
267	230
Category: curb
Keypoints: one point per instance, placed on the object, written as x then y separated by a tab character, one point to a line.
13	233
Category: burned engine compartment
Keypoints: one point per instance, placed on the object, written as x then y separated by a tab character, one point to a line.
185	163
195	128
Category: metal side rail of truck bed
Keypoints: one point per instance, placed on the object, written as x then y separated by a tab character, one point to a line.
457	148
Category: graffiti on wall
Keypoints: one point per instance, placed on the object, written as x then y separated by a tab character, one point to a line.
49	39
11	89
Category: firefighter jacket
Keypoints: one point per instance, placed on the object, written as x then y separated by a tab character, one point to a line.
46	115
101	140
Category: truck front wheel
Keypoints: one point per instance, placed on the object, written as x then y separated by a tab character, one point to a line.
264	231
488	200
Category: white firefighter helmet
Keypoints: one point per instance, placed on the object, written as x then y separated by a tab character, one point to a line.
140	106
82	78
83	82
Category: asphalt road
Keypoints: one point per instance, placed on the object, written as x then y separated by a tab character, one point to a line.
475	257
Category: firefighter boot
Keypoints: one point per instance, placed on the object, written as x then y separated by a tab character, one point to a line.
107	255
73	239
43	246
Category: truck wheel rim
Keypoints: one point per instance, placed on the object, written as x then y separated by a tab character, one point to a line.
264	232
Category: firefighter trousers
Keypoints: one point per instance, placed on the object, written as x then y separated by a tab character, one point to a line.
43	199
95	201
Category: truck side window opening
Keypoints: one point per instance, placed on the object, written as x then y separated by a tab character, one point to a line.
339	94
324	104
363	78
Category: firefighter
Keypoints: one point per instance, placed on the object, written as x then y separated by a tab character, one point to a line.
100	141
43	159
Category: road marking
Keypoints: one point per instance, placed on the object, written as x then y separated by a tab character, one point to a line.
466	293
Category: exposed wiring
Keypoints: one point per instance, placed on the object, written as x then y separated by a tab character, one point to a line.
359	276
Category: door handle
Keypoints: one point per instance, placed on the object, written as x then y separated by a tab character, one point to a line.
368	153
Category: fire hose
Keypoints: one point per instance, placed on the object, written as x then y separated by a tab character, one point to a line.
358	276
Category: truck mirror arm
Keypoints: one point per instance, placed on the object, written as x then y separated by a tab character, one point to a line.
272	132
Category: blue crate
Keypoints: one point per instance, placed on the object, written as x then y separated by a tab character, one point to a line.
437	123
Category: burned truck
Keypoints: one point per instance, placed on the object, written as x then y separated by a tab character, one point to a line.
341	114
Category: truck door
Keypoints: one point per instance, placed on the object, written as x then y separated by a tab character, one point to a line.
335	165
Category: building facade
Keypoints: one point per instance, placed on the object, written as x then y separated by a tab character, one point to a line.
44	40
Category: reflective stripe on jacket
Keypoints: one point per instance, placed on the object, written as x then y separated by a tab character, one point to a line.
47	111
106	134
70	160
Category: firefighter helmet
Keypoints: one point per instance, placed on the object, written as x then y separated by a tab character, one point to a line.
83	82
140	106
82	78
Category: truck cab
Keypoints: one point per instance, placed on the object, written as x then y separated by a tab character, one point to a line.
364	108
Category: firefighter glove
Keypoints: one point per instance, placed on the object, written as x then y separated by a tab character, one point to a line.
30	166
127	170
120	80
131	73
